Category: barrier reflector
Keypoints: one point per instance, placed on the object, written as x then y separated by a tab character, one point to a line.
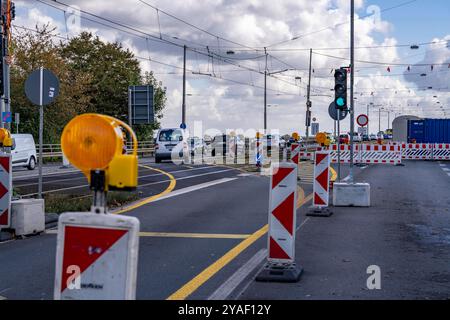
280	265
321	179
441	151
5	190
417	151
96	257
295	153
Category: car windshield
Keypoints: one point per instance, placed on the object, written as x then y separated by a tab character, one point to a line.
170	135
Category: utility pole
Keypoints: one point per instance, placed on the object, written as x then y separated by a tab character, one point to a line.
352	79
265	94
183	107
2	62
308	101
379	119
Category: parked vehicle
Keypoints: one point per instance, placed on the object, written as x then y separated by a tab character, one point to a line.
171	141
373	137
23	151
365	137
344	139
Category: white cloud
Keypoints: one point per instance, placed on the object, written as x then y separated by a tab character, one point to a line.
224	104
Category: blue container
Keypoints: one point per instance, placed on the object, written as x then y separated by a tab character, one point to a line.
429	131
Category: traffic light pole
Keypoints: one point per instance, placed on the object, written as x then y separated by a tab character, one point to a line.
352	78
265	95
183	107
308	101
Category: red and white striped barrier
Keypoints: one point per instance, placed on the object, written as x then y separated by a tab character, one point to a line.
295	153
369	153
259	152
321	179
5	190
282	213
417	151
280	266
441	151
306	155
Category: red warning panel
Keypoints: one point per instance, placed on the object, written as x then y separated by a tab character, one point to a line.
321	179
5	190
96	257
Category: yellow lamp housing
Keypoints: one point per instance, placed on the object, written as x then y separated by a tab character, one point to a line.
6	140
96	142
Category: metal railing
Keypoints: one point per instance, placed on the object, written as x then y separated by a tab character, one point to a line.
55	151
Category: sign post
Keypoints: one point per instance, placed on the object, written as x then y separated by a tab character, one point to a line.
41	88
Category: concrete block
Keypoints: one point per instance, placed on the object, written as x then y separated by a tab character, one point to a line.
351	194
27	216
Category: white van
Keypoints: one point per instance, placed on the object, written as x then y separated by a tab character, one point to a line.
24	151
171	141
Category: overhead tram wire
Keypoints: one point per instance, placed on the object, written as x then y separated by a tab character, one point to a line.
155	38
338	25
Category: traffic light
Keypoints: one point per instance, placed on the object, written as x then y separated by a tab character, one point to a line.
340	88
95	144
13	11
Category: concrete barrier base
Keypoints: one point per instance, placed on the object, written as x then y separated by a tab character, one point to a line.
319	212
280	273
351	194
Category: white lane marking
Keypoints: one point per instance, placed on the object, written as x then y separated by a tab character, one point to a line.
224	291
232	282
446	169
194	188
44	175
442	165
140	186
83	177
3	298
184	178
448	174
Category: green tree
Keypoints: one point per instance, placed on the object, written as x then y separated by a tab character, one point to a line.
32	50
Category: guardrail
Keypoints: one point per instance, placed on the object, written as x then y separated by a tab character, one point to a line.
55	151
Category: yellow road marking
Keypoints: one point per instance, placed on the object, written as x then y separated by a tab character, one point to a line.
210	271
194	235
145	201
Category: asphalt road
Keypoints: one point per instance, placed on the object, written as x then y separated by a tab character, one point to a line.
211	239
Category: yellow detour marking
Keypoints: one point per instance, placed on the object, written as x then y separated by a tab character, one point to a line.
210	271
194	235
145	201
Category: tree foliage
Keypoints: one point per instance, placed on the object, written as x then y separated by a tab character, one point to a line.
94	77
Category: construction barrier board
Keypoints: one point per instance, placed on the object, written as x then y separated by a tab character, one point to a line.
96	257
321	179
282	213
5	190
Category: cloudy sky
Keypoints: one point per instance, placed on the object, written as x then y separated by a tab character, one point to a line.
228	40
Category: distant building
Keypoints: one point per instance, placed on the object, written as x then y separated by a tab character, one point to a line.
400	128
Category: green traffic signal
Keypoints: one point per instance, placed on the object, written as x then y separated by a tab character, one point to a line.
340	102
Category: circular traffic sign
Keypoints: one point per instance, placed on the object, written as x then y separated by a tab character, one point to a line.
42	87
183	126
362	120
333	112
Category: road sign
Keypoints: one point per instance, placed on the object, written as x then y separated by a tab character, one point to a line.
17	118
141	106
362	120
42	87
5	190
314	128
7	117
333	112
96	257
183	126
